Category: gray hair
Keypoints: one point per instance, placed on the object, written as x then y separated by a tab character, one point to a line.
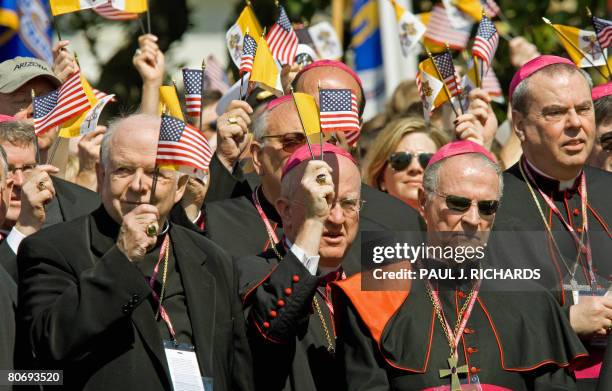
18	133
259	123
4	160
521	97
431	175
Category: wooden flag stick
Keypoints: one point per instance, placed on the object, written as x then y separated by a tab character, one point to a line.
454	77
508	37
57	31
590	15
154	185
202	93
33	95
321	130
478	78
583	54
302	123
142	27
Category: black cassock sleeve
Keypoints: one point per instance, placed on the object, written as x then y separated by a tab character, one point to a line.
357	352
225	184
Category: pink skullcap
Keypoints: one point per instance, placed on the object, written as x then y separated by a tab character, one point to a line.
602	90
7	118
459	148
303	154
276	102
532	66
330	63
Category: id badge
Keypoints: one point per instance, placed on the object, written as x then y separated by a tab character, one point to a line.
184	369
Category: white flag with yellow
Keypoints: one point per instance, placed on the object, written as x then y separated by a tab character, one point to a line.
411	30
430	87
235	35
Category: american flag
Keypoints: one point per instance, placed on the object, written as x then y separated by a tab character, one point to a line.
59	106
182	144
215	75
485	42
603	28
440	30
249	47
444	63
338	111
491	8
490	84
282	40
192	80
109	12
101	94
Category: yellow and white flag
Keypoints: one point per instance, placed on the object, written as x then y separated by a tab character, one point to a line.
308	111
169	102
430	86
72	128
586	41
59	7
411	30
131	6
266	71
235	34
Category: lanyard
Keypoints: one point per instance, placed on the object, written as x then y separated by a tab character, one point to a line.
163	254
273	239
581	247
452	336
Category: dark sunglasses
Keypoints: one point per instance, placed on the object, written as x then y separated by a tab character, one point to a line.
462	204
606	141
400	160
290	141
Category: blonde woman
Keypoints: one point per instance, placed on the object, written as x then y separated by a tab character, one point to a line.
398	156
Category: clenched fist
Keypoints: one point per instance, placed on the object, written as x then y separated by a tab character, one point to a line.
36	192
133	240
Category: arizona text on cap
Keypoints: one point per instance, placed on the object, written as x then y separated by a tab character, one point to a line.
532	66
303	154
459	148
18	71
602	90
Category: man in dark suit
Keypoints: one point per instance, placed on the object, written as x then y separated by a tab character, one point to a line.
37	199
90	288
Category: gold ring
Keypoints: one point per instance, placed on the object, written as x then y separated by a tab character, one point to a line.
232	120
41	185
151	230
321	179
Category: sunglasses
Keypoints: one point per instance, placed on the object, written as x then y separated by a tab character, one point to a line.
400	160
462	204
290	141
606	141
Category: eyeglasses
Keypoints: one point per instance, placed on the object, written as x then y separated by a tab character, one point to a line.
462	204
400	160
290	141
606	141
349	206
26	169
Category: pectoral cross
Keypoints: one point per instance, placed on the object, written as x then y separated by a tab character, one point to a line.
454	372
576	288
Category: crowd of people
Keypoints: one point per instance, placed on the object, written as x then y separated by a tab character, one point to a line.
129	276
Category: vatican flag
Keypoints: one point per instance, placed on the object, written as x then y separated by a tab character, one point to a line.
169	102
576	41
266	72
430	87
411	30
308	111
59	7
235	35
132	6
72	128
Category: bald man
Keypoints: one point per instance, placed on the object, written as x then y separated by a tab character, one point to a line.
90	288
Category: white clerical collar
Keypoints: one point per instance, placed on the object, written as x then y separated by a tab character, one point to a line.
563	185
322	270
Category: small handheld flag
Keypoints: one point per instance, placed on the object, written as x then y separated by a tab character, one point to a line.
281	38
193	83
338	111
182	144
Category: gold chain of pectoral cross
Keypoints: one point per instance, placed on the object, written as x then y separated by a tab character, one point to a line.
330	344
550	233
453	370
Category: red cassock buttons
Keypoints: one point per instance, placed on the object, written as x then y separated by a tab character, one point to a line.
474	370
472	350
296	278
579	229
280	303
266	325
461	294
576	212
288	291
468	330
273	314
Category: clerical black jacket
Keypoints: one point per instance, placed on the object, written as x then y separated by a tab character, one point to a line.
392	340
291	349
86	309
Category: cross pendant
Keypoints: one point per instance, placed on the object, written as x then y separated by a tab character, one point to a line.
575	288
454	372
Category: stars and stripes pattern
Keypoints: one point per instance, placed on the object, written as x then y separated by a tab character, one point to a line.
101	94
249	48
192	81
282	40
603	28
486	41
215	75
338	111
444	63
441	31
59	106
183	145
109	12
